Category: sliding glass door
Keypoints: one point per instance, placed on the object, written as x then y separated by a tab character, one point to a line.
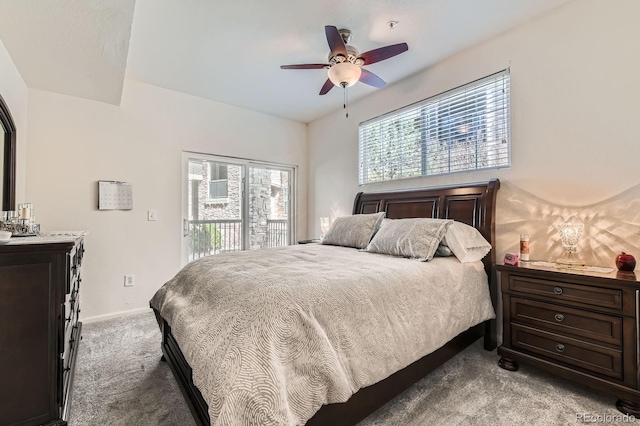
269	204
235	204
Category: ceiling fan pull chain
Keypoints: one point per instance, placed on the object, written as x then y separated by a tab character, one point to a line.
346	102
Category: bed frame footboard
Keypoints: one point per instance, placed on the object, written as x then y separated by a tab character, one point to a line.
182	372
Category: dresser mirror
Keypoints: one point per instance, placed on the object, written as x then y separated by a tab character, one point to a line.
7	159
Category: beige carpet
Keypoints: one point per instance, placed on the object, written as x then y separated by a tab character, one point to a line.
120	380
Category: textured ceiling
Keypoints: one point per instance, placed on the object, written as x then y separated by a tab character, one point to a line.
230	51
74	47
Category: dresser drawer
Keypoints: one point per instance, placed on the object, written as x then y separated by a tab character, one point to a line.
70	329
66	384
66	374
564	320
70	346
574	352
70	304
71	318
73	265
80	253
566	293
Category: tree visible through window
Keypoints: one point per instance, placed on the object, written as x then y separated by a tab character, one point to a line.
463	129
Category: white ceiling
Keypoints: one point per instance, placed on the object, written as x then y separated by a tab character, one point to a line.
230	51
74	47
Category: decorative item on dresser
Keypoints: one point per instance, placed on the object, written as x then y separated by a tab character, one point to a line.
39	327
570	234
579	325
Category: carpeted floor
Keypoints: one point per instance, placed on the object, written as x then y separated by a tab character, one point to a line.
120	380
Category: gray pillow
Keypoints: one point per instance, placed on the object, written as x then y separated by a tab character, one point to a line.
443	250
413	238
353	231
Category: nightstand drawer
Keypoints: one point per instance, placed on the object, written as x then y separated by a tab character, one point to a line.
595	358
565	320
571	294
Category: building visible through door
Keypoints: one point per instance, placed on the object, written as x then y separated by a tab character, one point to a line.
221	219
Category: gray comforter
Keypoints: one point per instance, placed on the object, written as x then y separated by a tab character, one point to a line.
272	335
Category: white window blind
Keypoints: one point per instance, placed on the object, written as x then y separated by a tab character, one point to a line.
463	129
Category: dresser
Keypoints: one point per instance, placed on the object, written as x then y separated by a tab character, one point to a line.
579	325
40	280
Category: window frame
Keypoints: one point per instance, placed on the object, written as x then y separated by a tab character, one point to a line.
425	110
222	199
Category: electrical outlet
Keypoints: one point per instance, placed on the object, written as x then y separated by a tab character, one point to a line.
129	280
152	215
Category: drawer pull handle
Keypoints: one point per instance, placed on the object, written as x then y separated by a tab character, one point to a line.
559	317
557	290
560	347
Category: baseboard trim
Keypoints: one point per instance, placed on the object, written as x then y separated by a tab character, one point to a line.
115	315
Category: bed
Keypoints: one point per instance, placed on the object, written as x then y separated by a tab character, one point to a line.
473	204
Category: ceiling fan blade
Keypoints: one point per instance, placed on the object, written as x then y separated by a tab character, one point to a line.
367	77
304	67
382	53
328	85
336	44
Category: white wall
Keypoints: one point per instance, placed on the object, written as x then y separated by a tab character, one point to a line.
74	142
14	92
575	88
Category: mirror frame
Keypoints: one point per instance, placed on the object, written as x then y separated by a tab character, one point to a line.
9	167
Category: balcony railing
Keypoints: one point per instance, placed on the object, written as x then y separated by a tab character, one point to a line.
207	237
214	236
277	232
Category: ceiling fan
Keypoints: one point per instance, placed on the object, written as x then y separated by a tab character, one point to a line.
345	62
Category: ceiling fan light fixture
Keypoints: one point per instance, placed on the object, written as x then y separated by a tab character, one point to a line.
344	74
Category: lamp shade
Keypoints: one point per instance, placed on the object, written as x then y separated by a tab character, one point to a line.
344	72
570	234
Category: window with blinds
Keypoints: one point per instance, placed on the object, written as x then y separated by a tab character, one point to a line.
463	129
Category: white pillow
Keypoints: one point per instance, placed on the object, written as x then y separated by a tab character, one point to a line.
466	242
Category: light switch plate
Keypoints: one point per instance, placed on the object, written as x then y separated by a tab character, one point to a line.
152	215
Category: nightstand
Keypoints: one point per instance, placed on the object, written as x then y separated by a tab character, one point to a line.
581	326
308	241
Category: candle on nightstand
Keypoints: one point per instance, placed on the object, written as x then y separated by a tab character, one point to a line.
524	247
25	213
